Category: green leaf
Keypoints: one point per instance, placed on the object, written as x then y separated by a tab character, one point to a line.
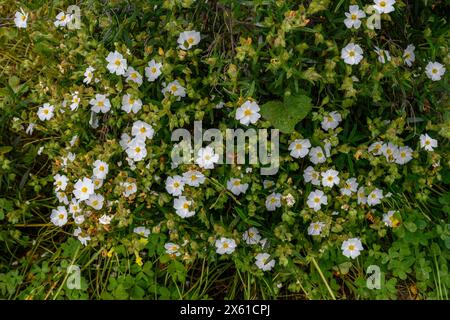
285	115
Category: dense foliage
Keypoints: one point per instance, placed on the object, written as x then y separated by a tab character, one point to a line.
87	177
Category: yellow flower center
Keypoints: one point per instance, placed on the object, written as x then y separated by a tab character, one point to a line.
354	17
427	142
61	216
273	200
248	112
316	227
102	168
134	75
117	62
382	4
225	245
63	17
298	146
237	183
143	130
190	40
316	199
193	177
320	154
84	189
330	178
95	203
351	247
100	104
45	111
434	70
176	184
173	88
186	205
153	70
351	53
23	18
137	149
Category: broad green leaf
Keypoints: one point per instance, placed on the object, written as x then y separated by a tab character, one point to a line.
284	116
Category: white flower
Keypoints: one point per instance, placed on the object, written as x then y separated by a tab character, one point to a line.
100	104
175	88
83	239
142	231
353	16
248	112
351	248
100	169
116	63
30	128
219	105
299	148
263	262
62	197
45	112
187	39
79	219
268	184
225	246
125	140
350	186
384	6
20	19
182	206
88	75
389	219
172	248
175	185
105	219
251	236
60	182
97	182
434	71
376	148
290	200
236	187
273	201
142	130
316	199
352	54
331	121
75	101
83	189
427	143
153	71
330	178
95	201
59	216
408	55
206	158
383	55
193	178
375	197
315	228
311	175
389	150
74	207
133	75
403	155
62	19
316	155
130	188
136	149
362	199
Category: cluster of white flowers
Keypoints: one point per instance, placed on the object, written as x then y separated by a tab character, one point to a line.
84	199
352	53
392	152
